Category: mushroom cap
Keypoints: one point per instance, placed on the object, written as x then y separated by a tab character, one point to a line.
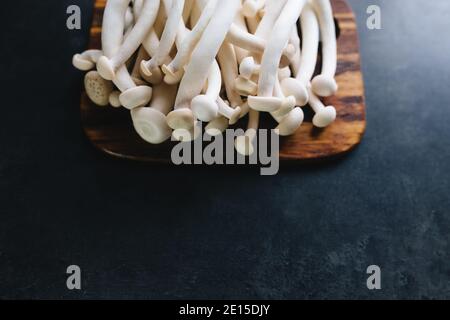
291	122
172	77
106	68
97	88
247	67
204	108
151	125
82	63
182	118
250	8
114	99
324	86
295	88
265	104
136	97
187	135
325	117
155	78
244	145
235	116
245	87
217	126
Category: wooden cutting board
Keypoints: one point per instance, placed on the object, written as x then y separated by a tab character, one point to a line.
111	130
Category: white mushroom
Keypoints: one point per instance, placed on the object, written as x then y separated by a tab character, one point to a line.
289	117
174	70
112	37
310	27
228	62
107	66
205	106
280	35
324	84
175	17
87	60
253	43
325	115
201	61
232	114
97	88
244	144
150	122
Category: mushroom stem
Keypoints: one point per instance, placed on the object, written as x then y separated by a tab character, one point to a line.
250	42
112	37
325	115
202	59
205	106
325	85
175	17
107	67
173	69
244	144
87	60
232	114
150	122
272	56
228	63
289	117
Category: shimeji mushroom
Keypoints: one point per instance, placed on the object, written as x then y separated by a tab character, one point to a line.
107	66
228	62
175	17
250	42
97	88
112	37
324	84
244	144
251	8
201	61
174	70
87	60
280	35
150	122
232	114
310	27
289	117
205	106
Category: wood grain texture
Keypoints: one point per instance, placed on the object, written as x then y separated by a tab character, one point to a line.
111	130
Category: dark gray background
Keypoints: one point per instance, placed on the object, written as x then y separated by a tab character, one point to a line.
140	231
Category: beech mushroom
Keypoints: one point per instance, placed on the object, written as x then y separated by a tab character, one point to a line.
204	106
97	88
107	66
175	17
280	34
174	70
150	122
324	84
232	114
87	60
112	37
289	117
310	26
244	144
201	61
228	62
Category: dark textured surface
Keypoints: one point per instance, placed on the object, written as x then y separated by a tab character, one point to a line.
162	232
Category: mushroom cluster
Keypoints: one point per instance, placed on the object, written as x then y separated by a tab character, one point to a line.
173	63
